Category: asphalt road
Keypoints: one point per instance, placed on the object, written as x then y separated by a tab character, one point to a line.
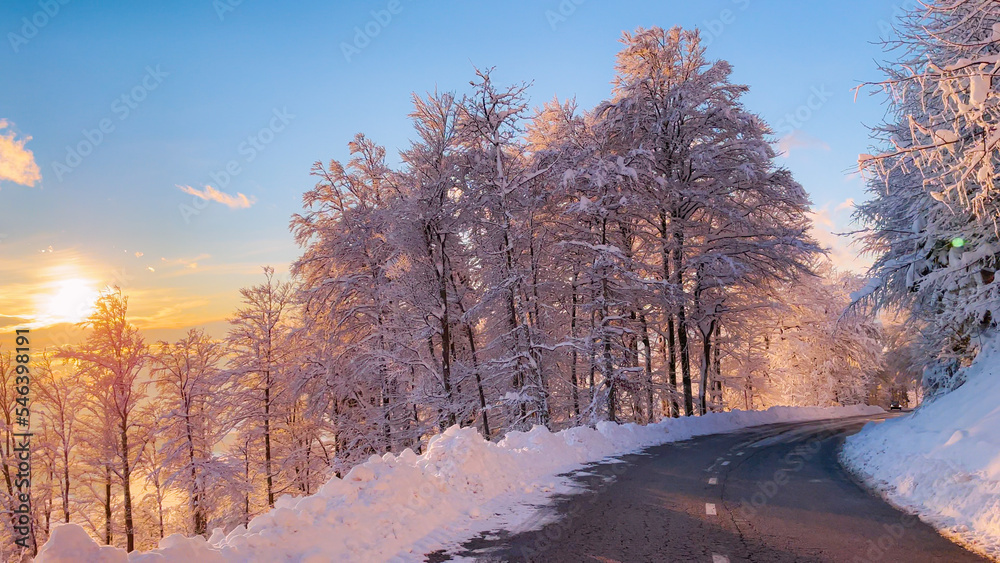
769	494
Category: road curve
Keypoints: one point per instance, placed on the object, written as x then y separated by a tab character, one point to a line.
772	493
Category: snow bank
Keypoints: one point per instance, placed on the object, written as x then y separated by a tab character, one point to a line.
398	507
943	460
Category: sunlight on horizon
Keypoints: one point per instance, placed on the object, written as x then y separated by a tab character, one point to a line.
67	300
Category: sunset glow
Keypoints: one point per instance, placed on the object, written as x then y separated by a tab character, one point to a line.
69	300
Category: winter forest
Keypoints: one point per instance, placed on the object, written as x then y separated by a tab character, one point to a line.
554	265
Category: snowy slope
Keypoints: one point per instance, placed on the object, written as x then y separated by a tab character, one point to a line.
943	460
398	507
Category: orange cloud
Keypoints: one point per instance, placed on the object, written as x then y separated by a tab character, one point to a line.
238	201
17	164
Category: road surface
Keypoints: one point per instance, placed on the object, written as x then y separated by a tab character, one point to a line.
772	493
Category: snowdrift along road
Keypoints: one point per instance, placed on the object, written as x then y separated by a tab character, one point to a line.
943	460
398	507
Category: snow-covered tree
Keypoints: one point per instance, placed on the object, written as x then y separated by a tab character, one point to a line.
357	374
710	210
189	376
61	398
111	360
497	177
819	352
931	221
433	272
257	365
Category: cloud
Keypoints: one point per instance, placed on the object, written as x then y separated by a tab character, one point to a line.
238	201
186	262
17	164
6	321
843	251
798	139
846	204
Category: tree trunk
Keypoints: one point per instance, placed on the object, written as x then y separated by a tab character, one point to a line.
246	494
609	379
197	511
535	327
159	510
706	366
519	376
682	336
717	367
386	418
670	343
650	418
671	358
609	375
65	491
475	359
479	381
417	444
575	390
267	439
107	505
446	344
592	349
631	343
383	376
307	471
127	490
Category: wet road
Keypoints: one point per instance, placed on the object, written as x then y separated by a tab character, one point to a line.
772	493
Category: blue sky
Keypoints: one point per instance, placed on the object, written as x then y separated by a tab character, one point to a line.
185	89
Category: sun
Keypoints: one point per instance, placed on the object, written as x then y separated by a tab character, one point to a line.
69	300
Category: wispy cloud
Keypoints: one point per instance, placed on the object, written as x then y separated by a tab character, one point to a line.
17	164
188	263
238	201
842	250
845	205
799	139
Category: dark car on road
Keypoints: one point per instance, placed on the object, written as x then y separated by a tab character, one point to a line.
895	406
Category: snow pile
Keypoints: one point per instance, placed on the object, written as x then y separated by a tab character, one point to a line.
398	507
943	461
